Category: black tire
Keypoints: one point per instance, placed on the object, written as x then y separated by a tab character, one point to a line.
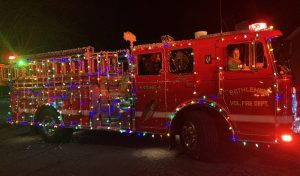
34	130
48	117
199	136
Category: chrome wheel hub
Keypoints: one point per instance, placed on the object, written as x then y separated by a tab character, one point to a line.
49	125
189	135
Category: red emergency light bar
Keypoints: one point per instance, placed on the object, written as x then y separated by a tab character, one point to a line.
258	26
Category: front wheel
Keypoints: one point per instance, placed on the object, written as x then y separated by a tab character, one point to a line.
199	136
49	127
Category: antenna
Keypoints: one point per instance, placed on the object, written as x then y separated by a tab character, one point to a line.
220	9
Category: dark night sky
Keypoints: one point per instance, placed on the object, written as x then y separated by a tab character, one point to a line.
33	26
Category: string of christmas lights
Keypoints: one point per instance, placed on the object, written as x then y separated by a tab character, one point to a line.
94	84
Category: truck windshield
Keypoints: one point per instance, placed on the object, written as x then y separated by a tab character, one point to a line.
279	51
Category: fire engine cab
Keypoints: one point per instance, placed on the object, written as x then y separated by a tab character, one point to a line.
228	86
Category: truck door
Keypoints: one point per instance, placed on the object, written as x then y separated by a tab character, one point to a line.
248	85
150	90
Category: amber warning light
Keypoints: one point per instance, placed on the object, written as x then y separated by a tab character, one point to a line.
258	26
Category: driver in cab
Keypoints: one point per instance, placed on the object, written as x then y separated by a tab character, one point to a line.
234	62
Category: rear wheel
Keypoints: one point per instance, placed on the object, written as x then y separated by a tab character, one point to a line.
199	136
49	128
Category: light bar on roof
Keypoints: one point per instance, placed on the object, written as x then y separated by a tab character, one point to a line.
258	26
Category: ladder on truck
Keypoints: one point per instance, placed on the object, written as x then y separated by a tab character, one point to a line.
96	85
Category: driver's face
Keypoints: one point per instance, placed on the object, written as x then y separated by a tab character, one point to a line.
236	54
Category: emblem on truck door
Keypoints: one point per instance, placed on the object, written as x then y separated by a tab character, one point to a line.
149	110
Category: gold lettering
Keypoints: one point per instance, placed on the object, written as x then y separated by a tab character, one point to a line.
261	103
244	90
246	103
235	103
236	91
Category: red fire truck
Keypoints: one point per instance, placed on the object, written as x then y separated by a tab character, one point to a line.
228	86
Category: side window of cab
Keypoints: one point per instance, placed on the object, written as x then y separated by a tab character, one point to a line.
181	61
260	61
238	57
149	64
246	57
